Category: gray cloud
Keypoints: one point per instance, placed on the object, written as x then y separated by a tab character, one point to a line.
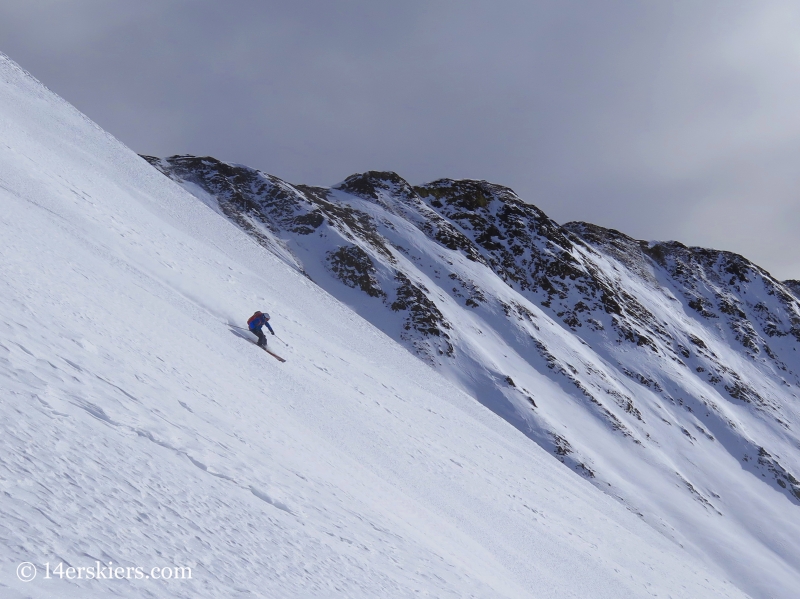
666	120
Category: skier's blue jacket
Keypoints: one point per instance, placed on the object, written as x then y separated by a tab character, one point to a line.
259	322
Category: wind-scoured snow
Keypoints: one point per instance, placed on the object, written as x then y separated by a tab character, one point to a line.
140	428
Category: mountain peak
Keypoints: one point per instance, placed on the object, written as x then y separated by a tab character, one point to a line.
467	194
367	185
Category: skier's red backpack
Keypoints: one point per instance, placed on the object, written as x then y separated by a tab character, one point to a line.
255	316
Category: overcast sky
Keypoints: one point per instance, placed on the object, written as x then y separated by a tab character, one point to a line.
663	119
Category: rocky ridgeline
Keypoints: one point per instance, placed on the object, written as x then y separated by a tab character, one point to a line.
706	327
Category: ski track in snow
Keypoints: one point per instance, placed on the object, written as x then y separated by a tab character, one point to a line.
137	429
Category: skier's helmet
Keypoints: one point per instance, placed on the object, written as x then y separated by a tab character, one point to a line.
266	315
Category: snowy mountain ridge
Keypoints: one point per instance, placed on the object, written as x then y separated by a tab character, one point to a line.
683	360
139	427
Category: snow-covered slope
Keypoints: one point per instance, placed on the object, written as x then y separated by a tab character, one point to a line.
139	429
665	375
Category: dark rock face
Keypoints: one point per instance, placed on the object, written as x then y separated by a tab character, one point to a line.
423	315
421	254
353	267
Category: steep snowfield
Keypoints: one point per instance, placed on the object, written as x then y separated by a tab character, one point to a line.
138	428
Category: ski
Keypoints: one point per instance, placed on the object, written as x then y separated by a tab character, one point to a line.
274	355
269	351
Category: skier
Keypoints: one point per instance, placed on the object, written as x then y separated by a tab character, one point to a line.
256	321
